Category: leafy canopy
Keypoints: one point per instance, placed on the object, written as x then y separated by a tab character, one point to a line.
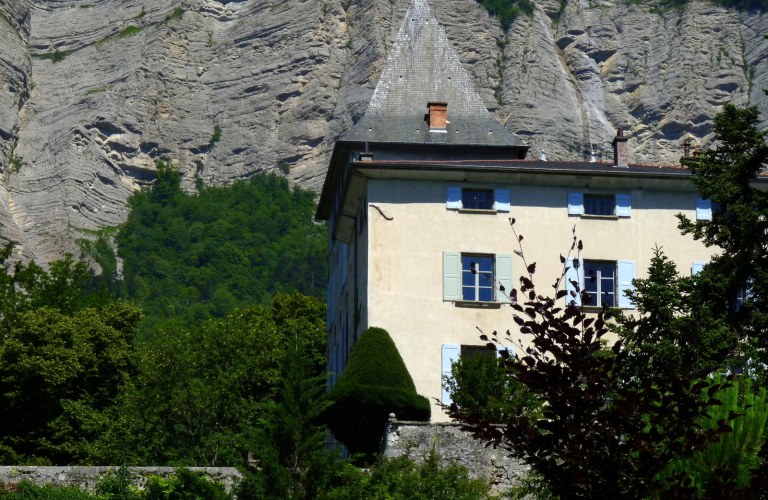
58	373
601	434
189	258
733	287
481	387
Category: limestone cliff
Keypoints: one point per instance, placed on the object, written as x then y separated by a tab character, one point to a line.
93	91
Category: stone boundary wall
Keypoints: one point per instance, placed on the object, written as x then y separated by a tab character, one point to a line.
87	477
415	439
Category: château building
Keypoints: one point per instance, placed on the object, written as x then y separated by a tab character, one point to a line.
421	189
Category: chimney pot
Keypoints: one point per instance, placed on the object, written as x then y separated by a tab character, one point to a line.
620	150
438	112
687	148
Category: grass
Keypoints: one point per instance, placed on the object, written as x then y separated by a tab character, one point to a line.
96	91
216	137
15	164
141	14
8	21
129	31
57	55
86	6
176	14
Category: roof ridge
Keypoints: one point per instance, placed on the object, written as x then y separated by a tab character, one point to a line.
422	67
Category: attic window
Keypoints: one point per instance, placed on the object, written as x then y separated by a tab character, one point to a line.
437	116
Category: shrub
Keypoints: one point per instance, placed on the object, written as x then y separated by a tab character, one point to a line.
27	490
481	387
375	383
402	479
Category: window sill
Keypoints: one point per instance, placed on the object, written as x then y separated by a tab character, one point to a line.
477	211
605	217
477	305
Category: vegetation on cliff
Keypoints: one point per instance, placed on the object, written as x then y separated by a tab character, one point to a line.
190	258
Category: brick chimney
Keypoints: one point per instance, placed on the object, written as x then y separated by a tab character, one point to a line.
437	116
620	152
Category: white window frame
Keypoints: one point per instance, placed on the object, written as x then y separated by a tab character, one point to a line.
604	196
598	302
477	277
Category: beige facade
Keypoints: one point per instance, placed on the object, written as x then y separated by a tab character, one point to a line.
398	263
400	234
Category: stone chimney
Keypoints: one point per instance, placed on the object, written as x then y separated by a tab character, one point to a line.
620	152
437	116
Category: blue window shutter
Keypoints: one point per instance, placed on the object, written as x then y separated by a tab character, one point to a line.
626	272
623	205
503	277
703	209
575	203
453	198
573	274
509	348
328	309
696	267
451	353
501	200
451	276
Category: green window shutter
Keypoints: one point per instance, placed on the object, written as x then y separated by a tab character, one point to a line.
451	276
503	277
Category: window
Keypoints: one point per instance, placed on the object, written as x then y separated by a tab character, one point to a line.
471	350
458	198
602	205
476	278
600	283
598	205
476	199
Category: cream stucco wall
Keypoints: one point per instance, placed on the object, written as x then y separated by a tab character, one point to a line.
405	287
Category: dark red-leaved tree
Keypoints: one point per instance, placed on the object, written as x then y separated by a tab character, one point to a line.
601	436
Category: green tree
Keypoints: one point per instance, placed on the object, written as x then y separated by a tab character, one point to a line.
673	330
481	387
199	393
737	450
374	384
59	372
29	287
290	445
733	287
190	258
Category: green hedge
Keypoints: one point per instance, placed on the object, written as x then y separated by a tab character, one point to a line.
374	384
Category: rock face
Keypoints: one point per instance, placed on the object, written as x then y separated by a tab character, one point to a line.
92	92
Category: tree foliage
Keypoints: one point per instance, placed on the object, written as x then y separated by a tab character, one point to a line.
290	442
189	258
673	327
59	372
480	386
507	10
602	435
374	384
737	451
29	287
199	394
733	287
404	479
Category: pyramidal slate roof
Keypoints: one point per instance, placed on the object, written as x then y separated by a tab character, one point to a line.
423	68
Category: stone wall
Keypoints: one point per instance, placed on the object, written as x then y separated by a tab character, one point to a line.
415	439
88	477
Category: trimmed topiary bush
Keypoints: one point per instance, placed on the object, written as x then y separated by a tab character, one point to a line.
374	384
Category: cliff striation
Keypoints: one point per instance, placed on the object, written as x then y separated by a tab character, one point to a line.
92	92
